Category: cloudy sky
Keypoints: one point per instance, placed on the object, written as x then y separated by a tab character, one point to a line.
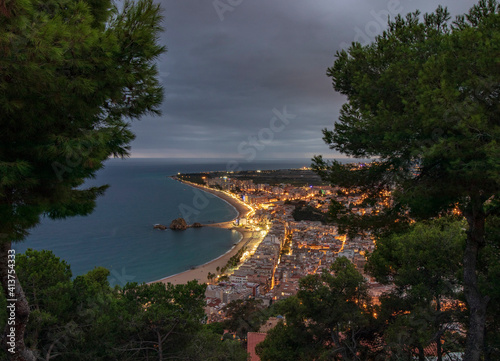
245	79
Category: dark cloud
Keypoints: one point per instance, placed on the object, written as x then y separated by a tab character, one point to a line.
223	78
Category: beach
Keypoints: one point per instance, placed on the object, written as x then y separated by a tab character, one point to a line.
249	238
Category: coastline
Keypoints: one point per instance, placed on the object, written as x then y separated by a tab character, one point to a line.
249	237
242	208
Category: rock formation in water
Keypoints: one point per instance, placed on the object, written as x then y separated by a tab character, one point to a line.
178	224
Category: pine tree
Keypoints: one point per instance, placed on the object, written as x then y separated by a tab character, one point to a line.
423	100
72	73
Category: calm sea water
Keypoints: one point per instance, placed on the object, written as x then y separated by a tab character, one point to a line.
119	234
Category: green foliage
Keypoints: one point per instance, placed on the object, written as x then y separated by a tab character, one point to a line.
72	73
290	340
285	343
207	346
234	260
72	76
164	317
243	316
70	319
489	281
423	101
425	109
424	265
427	254
308	213
42	274
330	318
215	327
85	319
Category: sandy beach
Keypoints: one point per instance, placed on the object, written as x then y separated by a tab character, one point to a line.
242	208
250	238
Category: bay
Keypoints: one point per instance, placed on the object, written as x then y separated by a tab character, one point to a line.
119	234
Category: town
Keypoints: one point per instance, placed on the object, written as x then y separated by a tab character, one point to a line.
294	238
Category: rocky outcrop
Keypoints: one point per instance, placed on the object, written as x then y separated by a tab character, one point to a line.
178	224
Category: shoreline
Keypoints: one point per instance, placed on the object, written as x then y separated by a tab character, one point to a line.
241	208
200	272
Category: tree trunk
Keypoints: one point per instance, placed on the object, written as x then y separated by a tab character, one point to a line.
160	346
336	341
18	310
476	302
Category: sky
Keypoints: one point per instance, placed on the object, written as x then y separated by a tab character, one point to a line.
246	79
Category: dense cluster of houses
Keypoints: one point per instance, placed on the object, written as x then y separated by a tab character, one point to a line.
290	250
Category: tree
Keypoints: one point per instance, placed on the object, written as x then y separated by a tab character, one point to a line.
243	316
423	100
70	320
308	213
41	271
165	318
489	281
423	264
94	325
47	285
339	307
286	342
208	346
330	318
86	319
71	74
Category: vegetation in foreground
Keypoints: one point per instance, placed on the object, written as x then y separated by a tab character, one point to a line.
423	101
85	319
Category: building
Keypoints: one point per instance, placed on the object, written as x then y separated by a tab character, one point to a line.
253	339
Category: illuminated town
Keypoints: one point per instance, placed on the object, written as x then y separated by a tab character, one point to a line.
284	249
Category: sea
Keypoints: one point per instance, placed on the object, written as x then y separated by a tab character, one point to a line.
119	234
